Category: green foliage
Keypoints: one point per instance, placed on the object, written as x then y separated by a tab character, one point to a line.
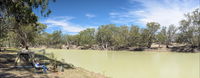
104	35
24	21
28	35
189	29
54	40
5	25
143	42
87	36
134	36
56	37
170	34
162	36
152	28
120	36
15	7
73	39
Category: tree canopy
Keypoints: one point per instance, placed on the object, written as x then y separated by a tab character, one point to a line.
18	16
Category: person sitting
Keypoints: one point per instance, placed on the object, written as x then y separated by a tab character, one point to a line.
38	66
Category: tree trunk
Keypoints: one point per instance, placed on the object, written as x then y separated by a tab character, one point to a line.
24	44
0	47
24	39
149	44
167	46
27	47
159	44
103	47
106	45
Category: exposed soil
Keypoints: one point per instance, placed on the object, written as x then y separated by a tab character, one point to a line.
29	73
174	47
7	70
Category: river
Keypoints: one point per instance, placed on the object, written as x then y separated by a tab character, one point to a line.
126	64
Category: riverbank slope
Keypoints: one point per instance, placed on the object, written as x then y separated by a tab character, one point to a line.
7	70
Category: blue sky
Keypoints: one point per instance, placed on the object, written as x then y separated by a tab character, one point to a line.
72	16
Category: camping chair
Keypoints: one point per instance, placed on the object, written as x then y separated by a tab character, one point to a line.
38	66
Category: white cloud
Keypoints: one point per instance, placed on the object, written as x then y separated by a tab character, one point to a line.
165	12
63	23
90	15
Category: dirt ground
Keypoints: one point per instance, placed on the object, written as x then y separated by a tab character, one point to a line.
29	73
8	71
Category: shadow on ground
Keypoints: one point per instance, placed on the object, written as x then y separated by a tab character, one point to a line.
7	69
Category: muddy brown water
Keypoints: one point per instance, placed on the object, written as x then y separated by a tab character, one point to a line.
126	64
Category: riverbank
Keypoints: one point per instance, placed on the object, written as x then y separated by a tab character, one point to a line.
69	73
7	70
154	48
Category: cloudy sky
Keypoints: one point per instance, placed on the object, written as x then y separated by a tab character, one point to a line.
72	16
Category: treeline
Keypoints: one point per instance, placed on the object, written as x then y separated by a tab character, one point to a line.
119	37
16	32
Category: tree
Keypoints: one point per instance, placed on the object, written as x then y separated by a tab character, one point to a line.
65	39
22	13
189	29
104	35
27	35
3	31
152	28
171	32
5	25
119	37
39	36
144	38
12	7
56	39
134	36
162	36
87	37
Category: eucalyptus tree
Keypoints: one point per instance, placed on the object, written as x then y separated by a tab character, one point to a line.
5	25
152	28
87	37
170	35
134	36
56	38
36	34
120	37
28	35
22	12
144	38
42	39
162	36
194	19
70	39
104	35
190	29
